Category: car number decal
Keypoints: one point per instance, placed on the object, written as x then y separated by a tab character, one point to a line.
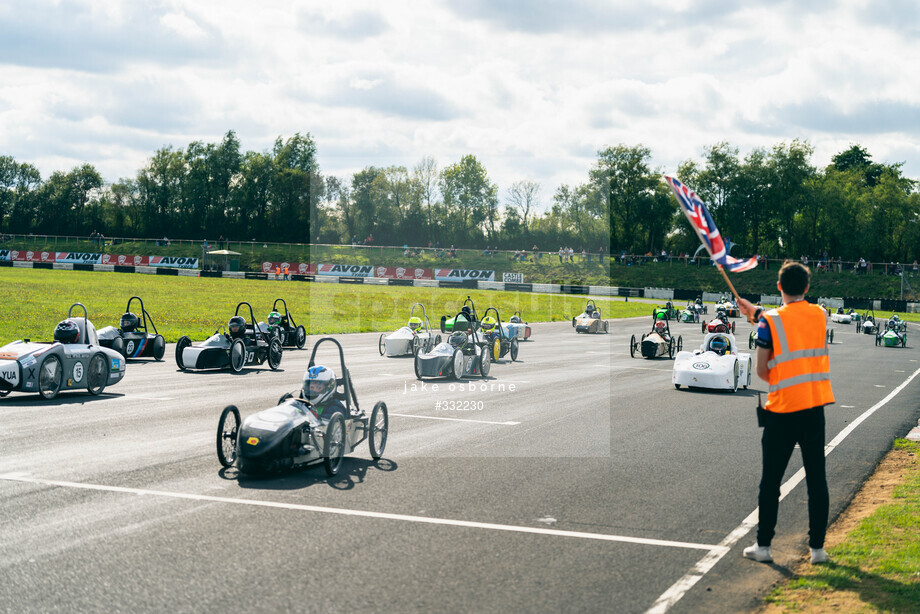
10	373
253	441
701	365
129	348
77	372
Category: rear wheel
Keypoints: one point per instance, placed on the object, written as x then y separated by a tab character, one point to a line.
733	328
703	326
418	367
183	343
274	354
632	346
485	362
159	347
496	348
228	427
677	386
515	346
680	343
238	355
416	344
49	377
300	337
747	380
334	445
735	373
98	376
118	344
381	344
378	428
671	347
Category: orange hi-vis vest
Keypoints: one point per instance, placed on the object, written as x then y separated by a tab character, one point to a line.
799	370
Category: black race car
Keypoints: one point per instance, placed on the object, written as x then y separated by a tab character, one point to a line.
132	337
464	353
281	324
293	434
243	344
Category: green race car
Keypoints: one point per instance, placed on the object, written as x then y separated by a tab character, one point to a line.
669	310
894	335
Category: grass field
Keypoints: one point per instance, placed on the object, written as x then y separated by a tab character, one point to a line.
35	300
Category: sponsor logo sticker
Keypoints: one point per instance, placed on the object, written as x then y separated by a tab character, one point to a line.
701	365
253	441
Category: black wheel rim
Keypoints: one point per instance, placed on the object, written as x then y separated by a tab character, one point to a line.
226	436
49	379
96	377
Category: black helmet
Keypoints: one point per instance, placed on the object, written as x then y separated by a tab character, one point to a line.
67	332
236	326
129	322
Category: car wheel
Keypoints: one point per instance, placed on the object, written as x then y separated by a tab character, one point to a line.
418	367
437	340
118	344
733	328
49	377
680	342
457	364
751	340
159	347
515	346
573	322
228	427
237	355
381	344
98	374
671	347
735	371
632	346
747	381
379	427
485	362
832	335
703	326
677	386
300	337
183	343
334	445
274	354
416	344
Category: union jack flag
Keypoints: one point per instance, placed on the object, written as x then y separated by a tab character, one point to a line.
696	211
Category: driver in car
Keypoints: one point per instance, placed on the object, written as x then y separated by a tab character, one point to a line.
415	324
319	389
719	345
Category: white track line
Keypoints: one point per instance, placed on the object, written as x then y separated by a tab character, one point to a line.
18	477
508	423
704	565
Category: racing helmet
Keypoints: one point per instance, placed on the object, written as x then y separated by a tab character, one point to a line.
895	317
274	318
661	316
660	327
236	326
466	309
720	345
596	314
129	322
488	324
319	385
515	319
699	301
415	323
457	339
67	331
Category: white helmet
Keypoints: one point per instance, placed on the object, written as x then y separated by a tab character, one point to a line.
319	385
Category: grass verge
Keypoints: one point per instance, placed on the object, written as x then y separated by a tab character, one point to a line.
35	300
875	561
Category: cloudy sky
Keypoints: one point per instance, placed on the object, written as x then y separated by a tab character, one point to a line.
532	89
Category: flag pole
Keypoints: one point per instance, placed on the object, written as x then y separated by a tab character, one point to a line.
732	288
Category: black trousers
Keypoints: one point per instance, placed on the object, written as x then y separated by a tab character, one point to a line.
780	434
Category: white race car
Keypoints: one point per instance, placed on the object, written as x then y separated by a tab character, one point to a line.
840	317
716	364
409	339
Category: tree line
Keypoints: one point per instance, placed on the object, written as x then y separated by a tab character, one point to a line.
772	202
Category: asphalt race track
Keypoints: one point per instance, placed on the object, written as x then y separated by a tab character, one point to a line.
591	486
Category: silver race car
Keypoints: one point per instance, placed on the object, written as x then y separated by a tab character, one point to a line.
414	336
464	353
74	360
243	344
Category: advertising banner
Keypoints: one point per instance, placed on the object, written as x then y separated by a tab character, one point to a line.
463	275
345	270
398	272
125	260
78	258
296	268
174	262
513	278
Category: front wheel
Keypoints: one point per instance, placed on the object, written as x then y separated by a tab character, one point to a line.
300	337
735	374
632	346
703	326
334	445
98	375
227	429
457	364
381	344
418	367
159	347
671	347
485	362
515	346
118	344
274	354
183	343
379	427
416	345
49	378
733	328
680	343
238	355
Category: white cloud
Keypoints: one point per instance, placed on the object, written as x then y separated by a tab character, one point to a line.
533	92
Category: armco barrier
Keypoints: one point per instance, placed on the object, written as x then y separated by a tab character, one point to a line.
400	282
42	265
83	267
210	274
573	289
510	287
351	280
8	263
249	275
491	285
174	272
122	268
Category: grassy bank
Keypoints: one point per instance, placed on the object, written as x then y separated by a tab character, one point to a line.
37	299
876	566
